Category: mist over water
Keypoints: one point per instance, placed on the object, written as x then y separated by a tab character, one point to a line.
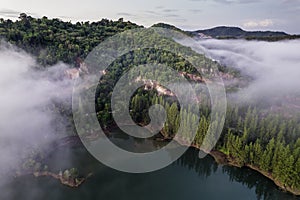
28	121
27	118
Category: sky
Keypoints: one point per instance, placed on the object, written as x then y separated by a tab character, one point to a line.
281	15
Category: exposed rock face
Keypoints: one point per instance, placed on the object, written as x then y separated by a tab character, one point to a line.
192	77
154	85
81	68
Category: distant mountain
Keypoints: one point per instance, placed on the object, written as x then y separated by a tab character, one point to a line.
224	32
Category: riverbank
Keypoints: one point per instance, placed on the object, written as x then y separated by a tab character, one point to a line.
223	159
220	157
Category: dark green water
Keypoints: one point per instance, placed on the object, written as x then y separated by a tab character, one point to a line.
187	178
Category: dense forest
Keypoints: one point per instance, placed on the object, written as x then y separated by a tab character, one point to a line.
265	141
52	40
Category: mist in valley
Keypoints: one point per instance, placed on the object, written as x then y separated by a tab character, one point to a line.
29	119
274	68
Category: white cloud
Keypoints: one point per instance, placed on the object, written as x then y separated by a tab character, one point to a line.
273	65
258	24
27	120
291	1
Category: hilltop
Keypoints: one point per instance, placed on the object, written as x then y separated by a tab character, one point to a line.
225	32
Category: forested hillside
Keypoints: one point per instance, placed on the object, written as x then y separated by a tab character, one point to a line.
266	141
52	40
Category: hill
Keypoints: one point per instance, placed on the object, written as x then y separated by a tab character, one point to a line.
225	32
264	141
53	40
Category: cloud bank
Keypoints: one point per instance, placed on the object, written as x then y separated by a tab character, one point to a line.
258	24
275	66
27	118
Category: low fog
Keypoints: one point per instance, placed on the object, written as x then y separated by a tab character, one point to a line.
27	118
27	121
274	66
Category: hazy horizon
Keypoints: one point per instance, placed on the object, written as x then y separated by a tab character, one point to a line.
188	15
124	18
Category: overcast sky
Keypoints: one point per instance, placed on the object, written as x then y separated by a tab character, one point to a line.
282	15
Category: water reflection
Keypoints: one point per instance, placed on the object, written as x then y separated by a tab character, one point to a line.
187	178
264	188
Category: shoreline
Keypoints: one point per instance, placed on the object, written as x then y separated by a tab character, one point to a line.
67	181
223	159
220	157
73	183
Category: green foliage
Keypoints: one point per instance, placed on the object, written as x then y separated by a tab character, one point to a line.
52	40
163	25
266	143
269	142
